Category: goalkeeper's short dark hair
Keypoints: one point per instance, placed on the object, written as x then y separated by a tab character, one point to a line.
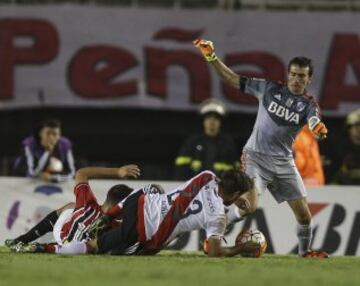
117	193
235	181
302	62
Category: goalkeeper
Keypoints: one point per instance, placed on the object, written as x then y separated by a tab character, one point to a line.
267	156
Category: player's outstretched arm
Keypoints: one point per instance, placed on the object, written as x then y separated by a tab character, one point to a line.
216	250
208	51
85	174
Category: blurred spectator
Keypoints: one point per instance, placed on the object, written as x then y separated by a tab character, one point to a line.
308	159
46	154
209	150
349	173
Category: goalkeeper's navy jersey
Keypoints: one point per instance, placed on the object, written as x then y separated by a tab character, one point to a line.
281	115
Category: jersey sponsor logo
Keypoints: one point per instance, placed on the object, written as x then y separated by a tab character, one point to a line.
283	112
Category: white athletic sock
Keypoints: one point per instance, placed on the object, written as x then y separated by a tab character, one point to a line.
304	233
73	247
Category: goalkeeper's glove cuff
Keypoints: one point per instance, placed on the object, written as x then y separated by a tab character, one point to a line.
211	58
318	128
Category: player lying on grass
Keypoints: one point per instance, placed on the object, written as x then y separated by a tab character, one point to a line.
267	157
72	221
150	221
109	220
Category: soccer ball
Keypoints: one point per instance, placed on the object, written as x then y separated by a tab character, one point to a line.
55	165
249	237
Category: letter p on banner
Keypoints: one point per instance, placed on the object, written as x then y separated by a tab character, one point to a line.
43	47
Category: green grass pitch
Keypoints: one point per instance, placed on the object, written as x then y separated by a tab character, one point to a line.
175	268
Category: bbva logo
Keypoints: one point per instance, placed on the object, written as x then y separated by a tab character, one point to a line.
283	112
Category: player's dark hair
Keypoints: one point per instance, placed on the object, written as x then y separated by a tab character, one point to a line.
235	181
117	193
302	62
52	123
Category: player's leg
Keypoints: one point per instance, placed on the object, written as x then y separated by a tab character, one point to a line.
71	248
44	226
254	166
63	218
288	186
302	214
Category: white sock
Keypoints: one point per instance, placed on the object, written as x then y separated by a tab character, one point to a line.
304	233
73	247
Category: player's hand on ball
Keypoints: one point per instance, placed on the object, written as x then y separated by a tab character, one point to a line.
206	48
250	249
129	171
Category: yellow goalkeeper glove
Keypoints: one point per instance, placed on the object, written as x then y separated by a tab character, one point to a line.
206	48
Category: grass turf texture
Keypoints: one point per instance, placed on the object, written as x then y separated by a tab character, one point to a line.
175	268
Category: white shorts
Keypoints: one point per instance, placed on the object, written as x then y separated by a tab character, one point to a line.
63	218
279	175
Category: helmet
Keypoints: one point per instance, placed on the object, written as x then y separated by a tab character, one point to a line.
212	106
353	118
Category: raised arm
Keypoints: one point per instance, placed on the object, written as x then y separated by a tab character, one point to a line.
83	175
226	74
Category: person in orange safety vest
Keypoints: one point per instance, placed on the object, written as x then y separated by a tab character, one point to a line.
307	158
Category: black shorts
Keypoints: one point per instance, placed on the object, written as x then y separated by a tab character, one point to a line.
123	240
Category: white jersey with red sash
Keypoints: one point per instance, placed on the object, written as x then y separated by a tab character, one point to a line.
194	205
